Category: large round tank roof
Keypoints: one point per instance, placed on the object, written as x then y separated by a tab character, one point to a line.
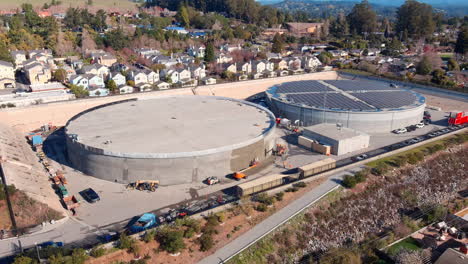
347	95
170	126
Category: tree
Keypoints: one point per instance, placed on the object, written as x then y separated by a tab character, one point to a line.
60	75
424	66
78	91
183	16
206	242
209	52
452	65
277	46
325	57
349	181
111	85
171	240
24	260
461	46
362	19
158	67
339	27
416	19
116	39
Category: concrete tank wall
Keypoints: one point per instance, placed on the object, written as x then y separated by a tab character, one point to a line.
369	122
169	171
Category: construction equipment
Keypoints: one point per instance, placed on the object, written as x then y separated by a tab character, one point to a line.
71	202
144	185
280	149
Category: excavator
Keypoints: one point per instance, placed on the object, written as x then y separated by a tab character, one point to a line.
144	185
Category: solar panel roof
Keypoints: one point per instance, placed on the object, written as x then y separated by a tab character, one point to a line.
347	94
350	85
302	87
394	99
328	100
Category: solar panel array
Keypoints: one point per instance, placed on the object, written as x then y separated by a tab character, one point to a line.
328	100
302	87
349	85
395	99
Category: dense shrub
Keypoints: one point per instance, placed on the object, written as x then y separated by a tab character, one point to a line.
279	196
360	176
381	168
265	199
171	240
300	185
292	189
126	242
206	242
261	207
11	190
97	251
349	181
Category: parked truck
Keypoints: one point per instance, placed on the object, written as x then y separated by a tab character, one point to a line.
316	167
458	118
71	202
146	221
260	184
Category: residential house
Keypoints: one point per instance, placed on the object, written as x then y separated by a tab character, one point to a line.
270	74
196	51
184	75
198	71
125	89
147	53
230	48
118	78
76	64
79	80
171	75
138	76
7	75
269	66
179	30
258	66
144	87
257	75
152	76
33	53
302	29
310	63
19	56
223	58
162	85
230	67
95	81
338	53
271	55
245	67
37	73
106	59
280	64
209	80
69	70
96	69
98	91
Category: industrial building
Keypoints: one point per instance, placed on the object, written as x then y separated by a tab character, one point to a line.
365	105
173	139
341	140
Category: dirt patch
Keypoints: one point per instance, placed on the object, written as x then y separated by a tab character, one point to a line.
239	220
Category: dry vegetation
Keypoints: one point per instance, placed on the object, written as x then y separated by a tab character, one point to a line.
354	217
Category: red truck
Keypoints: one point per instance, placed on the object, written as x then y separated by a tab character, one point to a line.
458	118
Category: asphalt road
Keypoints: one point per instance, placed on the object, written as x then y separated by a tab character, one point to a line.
275	220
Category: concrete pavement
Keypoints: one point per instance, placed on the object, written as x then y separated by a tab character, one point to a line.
275	220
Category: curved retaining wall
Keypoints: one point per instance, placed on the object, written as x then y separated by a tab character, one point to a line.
169	168
370	122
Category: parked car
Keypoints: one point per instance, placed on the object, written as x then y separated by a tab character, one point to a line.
400	131
50	244
410	128
420	125
212	180
360	157
90	195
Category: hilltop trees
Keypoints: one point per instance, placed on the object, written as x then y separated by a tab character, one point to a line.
461	47
339	27
209	52
417	19
278	44
362	19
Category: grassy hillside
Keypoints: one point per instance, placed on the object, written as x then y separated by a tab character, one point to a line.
97	4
